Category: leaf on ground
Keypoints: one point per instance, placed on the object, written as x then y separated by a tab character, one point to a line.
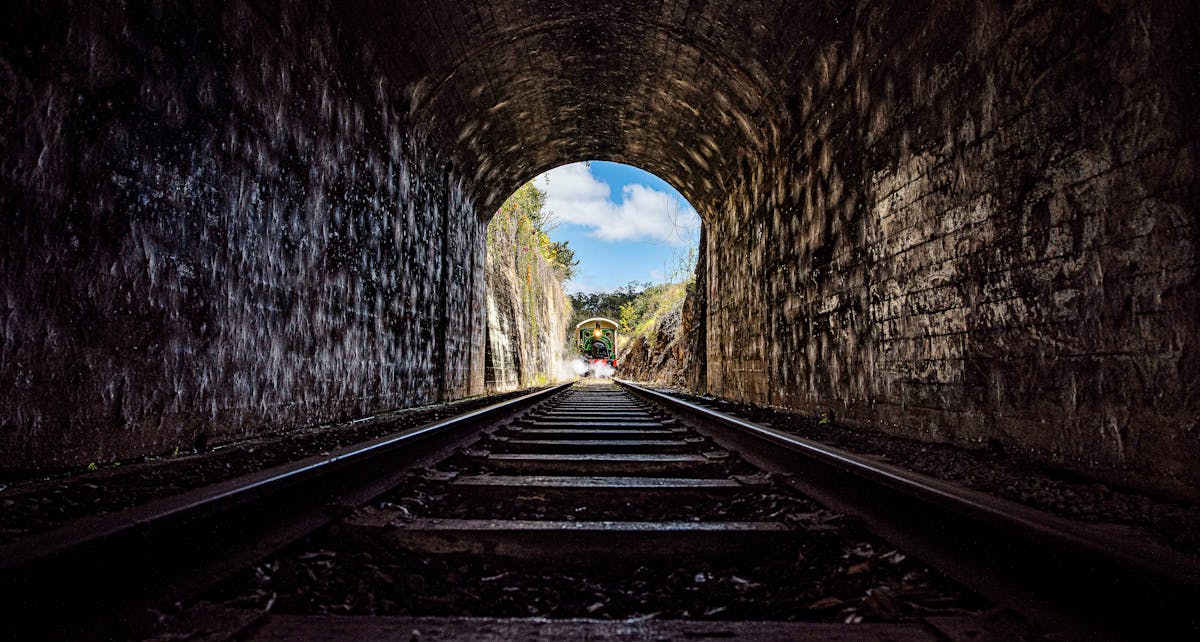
861	567
825	604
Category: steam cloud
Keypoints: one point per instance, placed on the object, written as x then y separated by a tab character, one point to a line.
573	368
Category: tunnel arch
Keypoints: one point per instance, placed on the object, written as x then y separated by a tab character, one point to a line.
806	128
509	97
271	212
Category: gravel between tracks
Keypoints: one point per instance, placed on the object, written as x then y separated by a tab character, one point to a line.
1063	492
40	506
419	497
841	574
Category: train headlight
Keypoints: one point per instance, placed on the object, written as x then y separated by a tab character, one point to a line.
596	333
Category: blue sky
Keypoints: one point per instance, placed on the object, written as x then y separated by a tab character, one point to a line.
624	224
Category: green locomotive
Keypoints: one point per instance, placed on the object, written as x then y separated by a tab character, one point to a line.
597	342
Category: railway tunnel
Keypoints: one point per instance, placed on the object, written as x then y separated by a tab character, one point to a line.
969	222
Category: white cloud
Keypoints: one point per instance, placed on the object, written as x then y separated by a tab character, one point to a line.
576	196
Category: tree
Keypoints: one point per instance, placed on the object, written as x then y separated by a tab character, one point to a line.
606	304
629	317
560	255
527	207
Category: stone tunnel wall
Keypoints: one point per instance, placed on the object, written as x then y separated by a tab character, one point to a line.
984	227
216	222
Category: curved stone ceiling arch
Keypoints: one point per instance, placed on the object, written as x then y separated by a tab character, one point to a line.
512	89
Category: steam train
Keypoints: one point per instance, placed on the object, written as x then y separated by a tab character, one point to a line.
597	342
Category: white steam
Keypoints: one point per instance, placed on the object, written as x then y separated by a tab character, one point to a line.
570	369
601	370
574	368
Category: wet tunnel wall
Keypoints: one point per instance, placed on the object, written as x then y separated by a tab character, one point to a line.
968	221
981	227
216	223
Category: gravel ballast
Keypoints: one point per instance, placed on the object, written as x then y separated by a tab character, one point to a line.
36	506
1063	492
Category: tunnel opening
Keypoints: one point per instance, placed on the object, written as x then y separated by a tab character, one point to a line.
593	240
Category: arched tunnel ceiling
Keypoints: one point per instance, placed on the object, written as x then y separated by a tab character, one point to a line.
513	88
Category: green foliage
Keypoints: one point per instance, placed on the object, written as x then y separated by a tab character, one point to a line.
629	317
643	312
560	255
605	304
530	202
526	211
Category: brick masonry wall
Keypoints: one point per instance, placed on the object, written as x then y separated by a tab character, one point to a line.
216	223
982	227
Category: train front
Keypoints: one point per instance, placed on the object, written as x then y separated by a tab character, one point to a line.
597	342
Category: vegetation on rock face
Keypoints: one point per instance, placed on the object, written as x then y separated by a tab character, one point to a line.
527	311
526	211
654	336
641	315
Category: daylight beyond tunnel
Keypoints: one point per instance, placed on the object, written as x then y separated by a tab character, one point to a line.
963	222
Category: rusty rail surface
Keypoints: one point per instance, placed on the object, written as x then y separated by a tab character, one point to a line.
1073	577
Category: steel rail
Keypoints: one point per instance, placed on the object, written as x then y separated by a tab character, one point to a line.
1080	579
44	576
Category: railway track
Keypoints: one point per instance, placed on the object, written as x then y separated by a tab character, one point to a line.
584	503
